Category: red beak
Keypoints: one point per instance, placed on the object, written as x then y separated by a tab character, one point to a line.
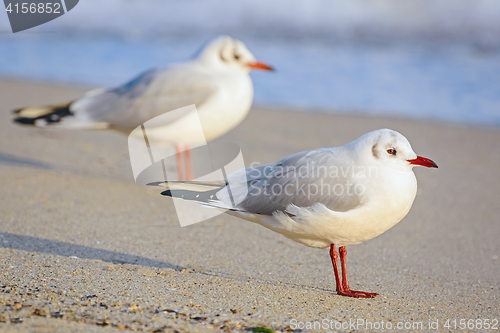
260	65
423	162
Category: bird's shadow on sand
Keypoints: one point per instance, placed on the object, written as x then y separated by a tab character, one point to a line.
34	244
8	159
41	245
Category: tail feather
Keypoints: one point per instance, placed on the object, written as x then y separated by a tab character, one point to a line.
44	115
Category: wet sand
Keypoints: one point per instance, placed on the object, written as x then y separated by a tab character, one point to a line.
82	248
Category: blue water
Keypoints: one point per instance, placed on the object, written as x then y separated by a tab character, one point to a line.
450	82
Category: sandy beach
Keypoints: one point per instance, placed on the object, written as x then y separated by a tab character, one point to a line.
84	249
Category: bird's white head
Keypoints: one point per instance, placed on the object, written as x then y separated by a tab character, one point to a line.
225	52
390	149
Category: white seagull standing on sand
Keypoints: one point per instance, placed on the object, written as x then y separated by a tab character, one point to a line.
325	197
216	81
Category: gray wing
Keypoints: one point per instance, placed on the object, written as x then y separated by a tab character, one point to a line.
318	176
146	96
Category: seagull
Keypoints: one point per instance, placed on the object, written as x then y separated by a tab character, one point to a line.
322	198
216	81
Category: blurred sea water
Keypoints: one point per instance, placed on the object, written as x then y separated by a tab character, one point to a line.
438	60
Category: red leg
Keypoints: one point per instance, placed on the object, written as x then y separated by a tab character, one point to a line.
346	291
189	165
178	156
334	256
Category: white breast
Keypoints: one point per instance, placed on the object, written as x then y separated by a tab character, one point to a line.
228	107
221	112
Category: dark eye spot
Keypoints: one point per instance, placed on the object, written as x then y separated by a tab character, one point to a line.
391	151
236	56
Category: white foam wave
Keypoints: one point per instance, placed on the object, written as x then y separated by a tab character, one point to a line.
456	20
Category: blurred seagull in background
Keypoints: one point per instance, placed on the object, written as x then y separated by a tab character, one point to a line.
217	82
325	197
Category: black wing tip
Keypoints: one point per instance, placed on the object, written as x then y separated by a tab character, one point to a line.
54	116
25	121
192	195
167	193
